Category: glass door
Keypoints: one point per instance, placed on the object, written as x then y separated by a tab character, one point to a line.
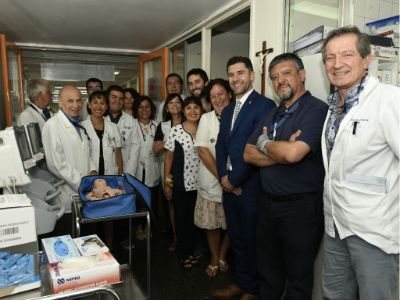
11	82
153	69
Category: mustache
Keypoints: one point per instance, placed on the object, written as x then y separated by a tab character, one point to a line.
283	84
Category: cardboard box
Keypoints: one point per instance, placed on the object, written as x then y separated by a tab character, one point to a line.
18	236
59	248
84	272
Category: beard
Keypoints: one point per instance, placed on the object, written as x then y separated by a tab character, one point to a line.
285	96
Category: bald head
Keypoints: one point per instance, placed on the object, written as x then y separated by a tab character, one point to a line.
70	100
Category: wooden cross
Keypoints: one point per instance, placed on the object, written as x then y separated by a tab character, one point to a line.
263	53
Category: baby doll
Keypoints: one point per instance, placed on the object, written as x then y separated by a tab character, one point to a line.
101	190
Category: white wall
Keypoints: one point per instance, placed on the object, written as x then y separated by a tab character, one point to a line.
193	56
266	24
224	46
366	11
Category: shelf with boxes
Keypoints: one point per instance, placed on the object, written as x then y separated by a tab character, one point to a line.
384	35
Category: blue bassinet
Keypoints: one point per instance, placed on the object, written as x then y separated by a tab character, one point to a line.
118	205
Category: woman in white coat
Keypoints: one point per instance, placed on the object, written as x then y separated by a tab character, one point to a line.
148	170
105	147
105	138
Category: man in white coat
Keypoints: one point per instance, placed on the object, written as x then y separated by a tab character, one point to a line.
66	147
360	144
40	98
128	127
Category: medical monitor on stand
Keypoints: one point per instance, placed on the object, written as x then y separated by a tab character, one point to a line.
14	155
35	141
24	148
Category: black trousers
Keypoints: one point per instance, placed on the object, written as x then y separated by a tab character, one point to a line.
288	238
184	203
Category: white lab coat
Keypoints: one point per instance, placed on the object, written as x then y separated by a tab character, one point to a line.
130	132
30	115
67	154
361	188
148	161
112	139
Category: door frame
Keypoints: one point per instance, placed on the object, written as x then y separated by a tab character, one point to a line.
160	53
5	45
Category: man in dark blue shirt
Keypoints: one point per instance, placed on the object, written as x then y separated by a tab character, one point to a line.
286	145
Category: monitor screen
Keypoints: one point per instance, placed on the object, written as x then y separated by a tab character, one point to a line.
35	137
12	168
22	142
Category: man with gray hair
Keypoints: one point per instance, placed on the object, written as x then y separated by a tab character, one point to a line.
360	147
66	145
40	98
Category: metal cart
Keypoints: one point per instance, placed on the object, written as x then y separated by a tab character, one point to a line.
78	219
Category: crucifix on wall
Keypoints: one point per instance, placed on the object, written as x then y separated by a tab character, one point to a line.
262	54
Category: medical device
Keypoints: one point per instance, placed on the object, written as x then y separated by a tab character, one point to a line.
21	150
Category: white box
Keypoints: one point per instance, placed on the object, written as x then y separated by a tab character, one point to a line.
84	272
18	236
387	52
17	221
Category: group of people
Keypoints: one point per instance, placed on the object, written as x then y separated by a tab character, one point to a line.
272	176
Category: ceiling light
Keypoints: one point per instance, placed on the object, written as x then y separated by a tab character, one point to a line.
116	72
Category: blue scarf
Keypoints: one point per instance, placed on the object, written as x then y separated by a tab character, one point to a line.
75	121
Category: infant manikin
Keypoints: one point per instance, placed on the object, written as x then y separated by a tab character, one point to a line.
101	190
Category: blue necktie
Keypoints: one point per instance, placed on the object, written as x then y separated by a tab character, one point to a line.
46	113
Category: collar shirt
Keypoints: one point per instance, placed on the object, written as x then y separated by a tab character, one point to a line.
238	107
244	98
338	113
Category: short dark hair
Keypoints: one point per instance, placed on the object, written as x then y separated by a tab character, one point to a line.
197	71
114	87
192	99
94	80
174	75
97	95
166	116
217	81
137	103
240	59
286	57
363	40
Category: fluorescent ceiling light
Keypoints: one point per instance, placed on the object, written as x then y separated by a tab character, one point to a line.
325	11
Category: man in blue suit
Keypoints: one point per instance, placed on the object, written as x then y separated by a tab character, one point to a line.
240	180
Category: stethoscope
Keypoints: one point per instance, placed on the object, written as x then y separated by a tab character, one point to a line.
143	133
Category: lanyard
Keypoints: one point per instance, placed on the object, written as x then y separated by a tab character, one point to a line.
41	114
280	118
